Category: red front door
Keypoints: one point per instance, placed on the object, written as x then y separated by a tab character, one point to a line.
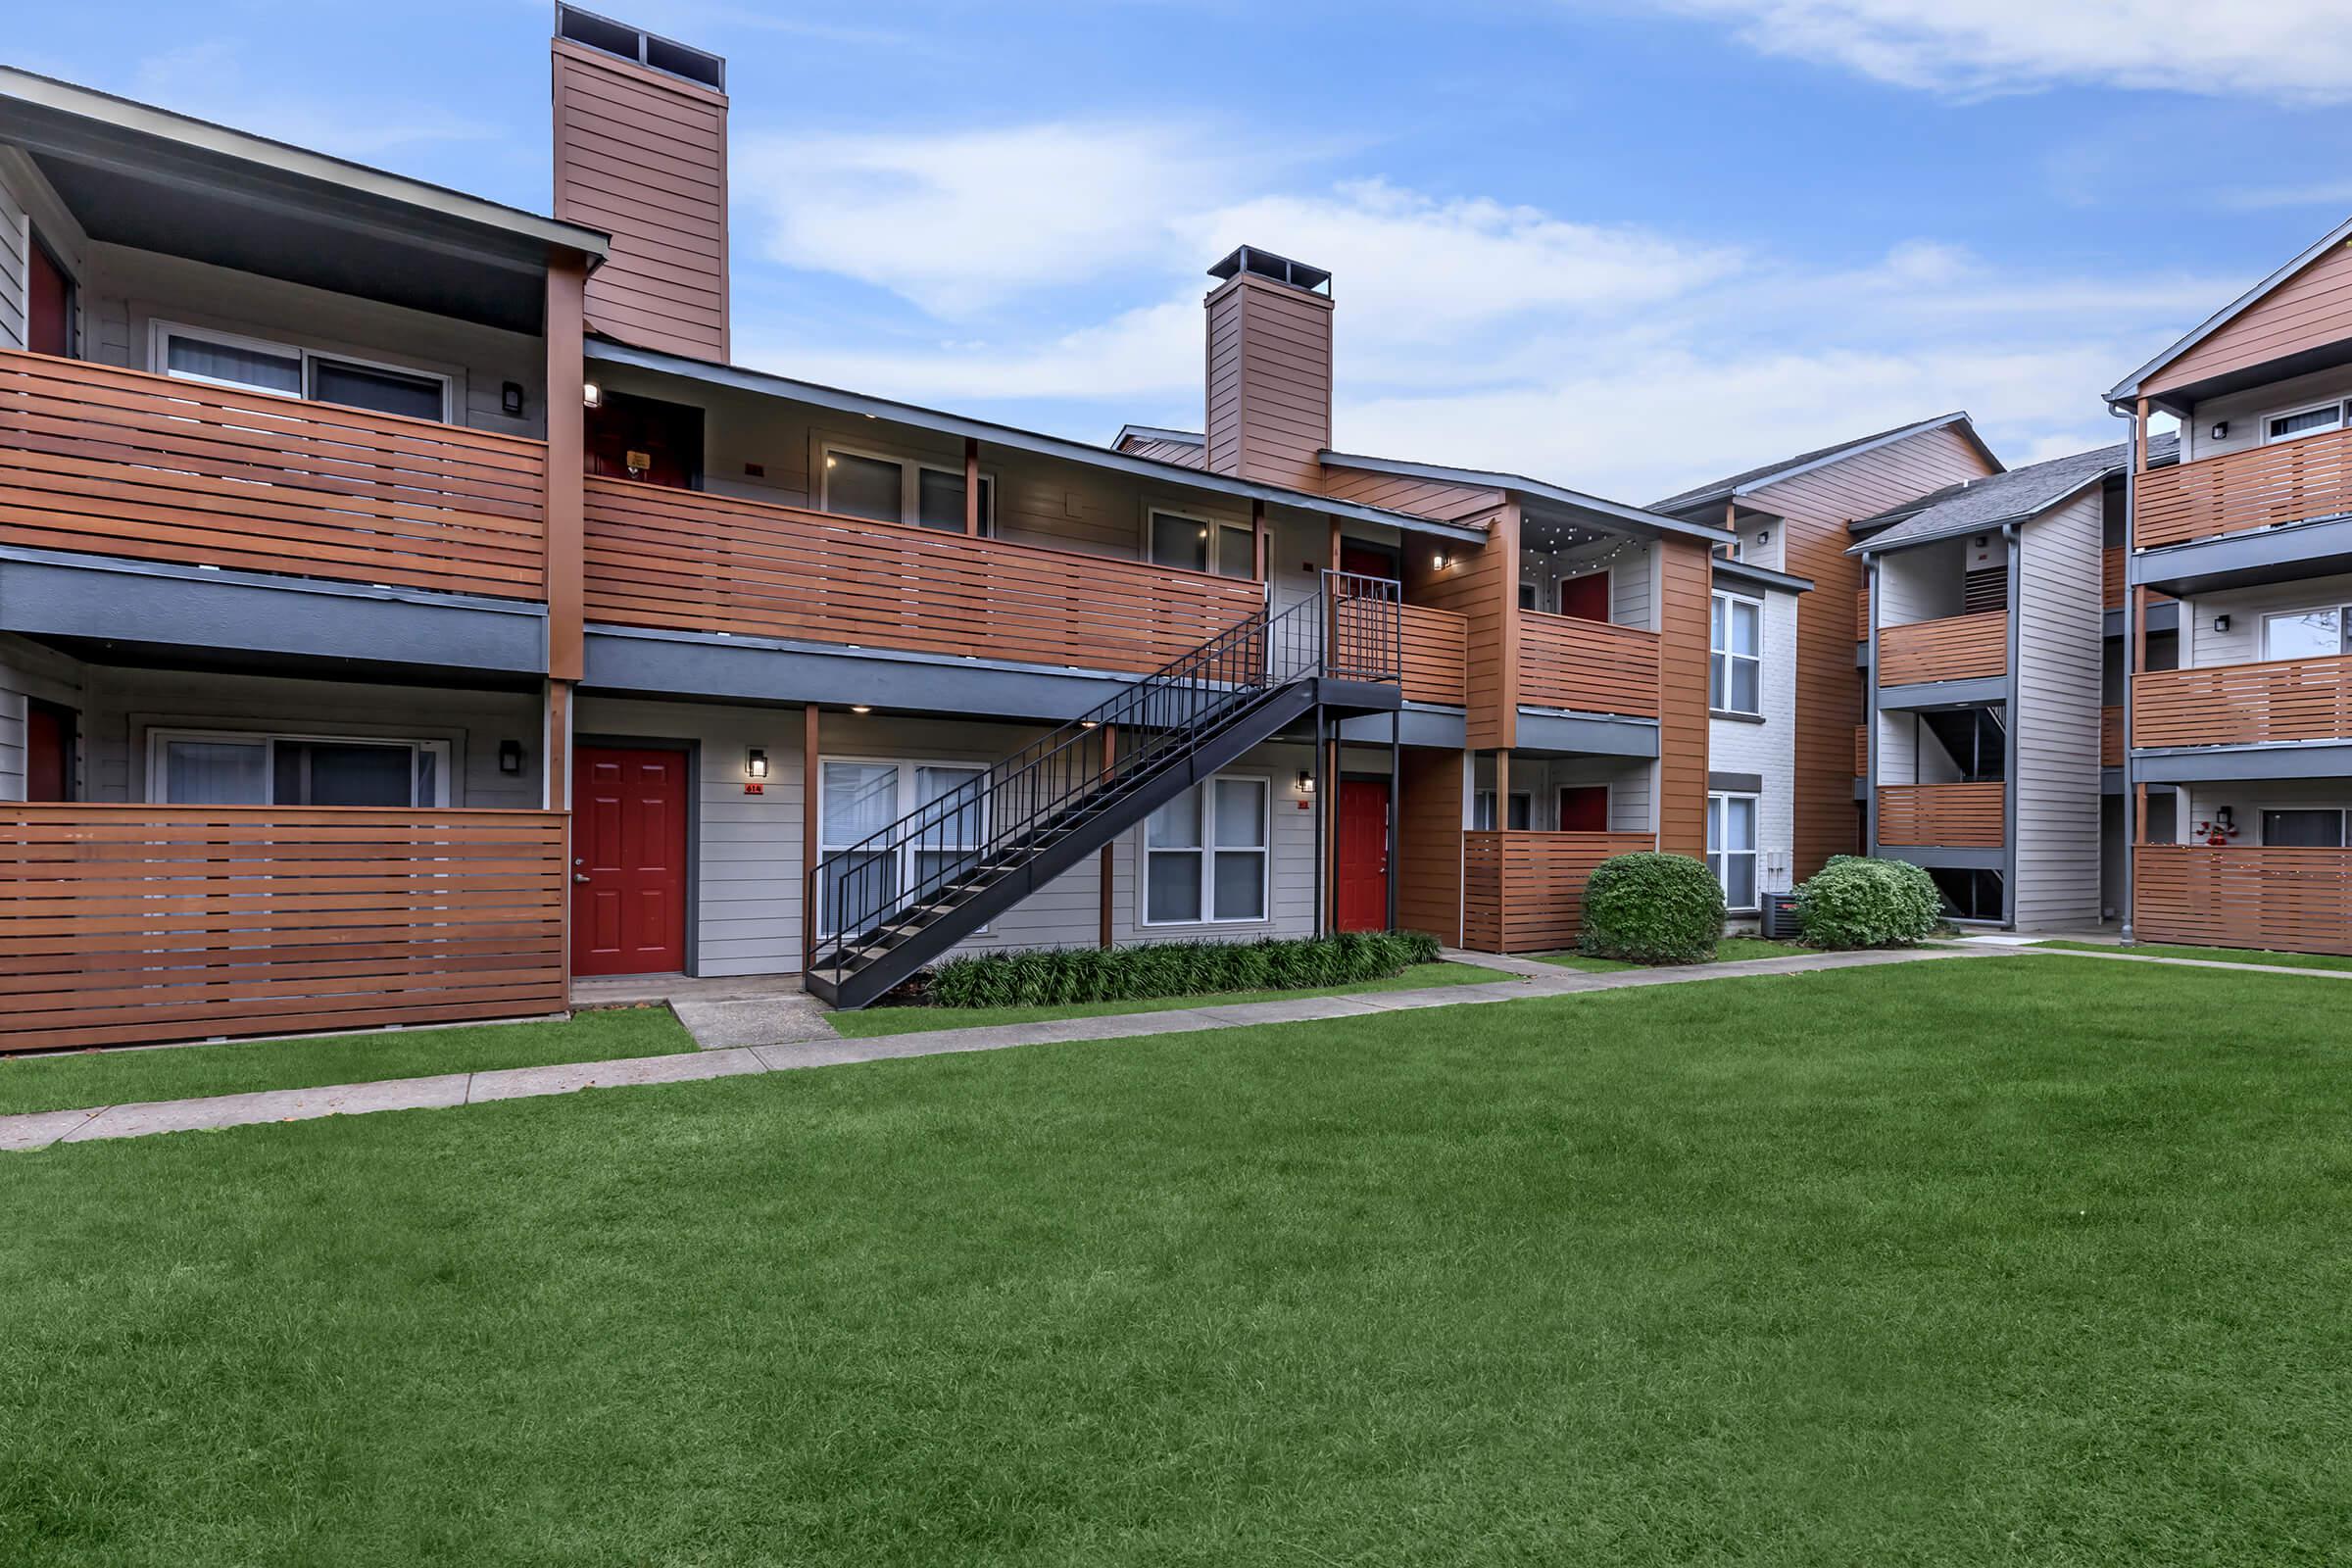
48	752
1587	598
1363	855
629	846
1366	561
1585	809
48	304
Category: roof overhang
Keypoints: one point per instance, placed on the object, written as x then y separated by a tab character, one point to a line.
763	384
2127	389
1588	510
1153	432
2041	507
1740	571
1731	490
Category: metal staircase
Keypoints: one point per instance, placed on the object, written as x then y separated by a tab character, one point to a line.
905	894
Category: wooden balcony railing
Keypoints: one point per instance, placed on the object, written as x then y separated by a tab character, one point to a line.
1589	665
2291	900
1437	655
2243	704
2112	580
1956	648
1949	816
1861	615
122	924
2111	736
1524	892
2290	482
120	463
680	558
1861	751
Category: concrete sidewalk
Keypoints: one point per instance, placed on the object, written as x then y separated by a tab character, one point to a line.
1521	979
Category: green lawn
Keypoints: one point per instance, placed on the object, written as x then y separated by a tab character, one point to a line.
2158	950
74	1079
873	1022
2025	1260
1728	950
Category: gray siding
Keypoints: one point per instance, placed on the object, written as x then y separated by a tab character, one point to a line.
27	670
2056	764
1768	748
2241	644
16	238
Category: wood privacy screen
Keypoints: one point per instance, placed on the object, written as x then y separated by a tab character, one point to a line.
2112	582
1437	655
2111	736
1956	648
120	463
657	557
1524	892
1589	665
122	924
2243	704
2293	481
1861	615
1952	816
2295	901
1861	751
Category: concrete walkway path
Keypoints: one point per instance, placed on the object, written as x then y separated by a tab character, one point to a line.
1523	978
2128	955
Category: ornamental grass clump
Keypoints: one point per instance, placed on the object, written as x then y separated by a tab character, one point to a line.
1059	976
1651	909
1857	902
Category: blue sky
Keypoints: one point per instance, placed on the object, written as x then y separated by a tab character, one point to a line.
1618	246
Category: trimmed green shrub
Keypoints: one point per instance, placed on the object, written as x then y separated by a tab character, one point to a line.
1857	902
1056	976
1651	909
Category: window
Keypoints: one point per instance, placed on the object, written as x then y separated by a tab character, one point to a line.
1731	847
1205	854
1181	540
860	484
1736	656
858	799
2304	634
206	767
1523	810
282	370
2303	421
2303	828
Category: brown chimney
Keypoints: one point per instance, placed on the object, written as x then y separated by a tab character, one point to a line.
640	153
1269	370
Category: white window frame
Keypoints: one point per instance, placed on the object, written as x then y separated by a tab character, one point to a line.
159	360
1726	654
910	486
1206	856
2344	631
902	804
2333	404
1215	526
2260	808
159	774
1481	803
1719	818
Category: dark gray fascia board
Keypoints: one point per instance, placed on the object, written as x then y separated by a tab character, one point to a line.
2235	764
1153	432
1984	691
1611	514
2111	781
1763	577
761	383
2161	618
2247	560
1543	730
1441	727
2127	389
28	101
55	594
1936	857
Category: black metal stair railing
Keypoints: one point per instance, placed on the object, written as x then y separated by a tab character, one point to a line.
872	893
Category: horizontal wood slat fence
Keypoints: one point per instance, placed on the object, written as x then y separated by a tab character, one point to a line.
681	558
2117	585
1524	892
1590	666
1861	751
1861	615
2290	482
120	463
1956	648
2243	704
2111	736
124	924
1951	817
2292	900
1437	655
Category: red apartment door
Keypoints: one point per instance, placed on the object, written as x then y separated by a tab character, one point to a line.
645	439
48	752
1363	853
48	304
1585	809
629	884
1587	598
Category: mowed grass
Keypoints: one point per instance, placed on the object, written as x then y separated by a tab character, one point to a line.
2022	1260
1730	950
71	1080
871	1021
2158	950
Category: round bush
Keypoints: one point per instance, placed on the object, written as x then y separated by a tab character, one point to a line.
1651	909
1855	902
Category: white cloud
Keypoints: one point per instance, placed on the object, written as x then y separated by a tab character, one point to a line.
208	81
2291	50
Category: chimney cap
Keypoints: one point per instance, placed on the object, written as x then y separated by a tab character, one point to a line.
580	26
1280	269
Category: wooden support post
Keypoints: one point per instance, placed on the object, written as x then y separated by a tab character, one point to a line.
1335	544
1257	534
971	485
554	786
808	820
1110	755
566	459
1503	790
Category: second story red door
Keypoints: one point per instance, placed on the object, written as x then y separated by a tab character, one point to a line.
48	752
645	439
628	848
1583	809
1587	598
48	304
1362	850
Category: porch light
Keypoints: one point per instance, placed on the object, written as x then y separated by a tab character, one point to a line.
509	399
591	395
510	757
1306	782
2221	429
860	707
1438	561
755	763
2224	818
2220	623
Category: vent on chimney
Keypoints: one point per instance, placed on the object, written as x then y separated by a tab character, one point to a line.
636	45
1281	269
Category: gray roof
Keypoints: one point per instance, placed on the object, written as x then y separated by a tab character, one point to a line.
1726	489
2018	496
1536	489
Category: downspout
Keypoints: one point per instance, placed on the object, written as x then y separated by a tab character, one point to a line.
2132	448
1870	715
2012	534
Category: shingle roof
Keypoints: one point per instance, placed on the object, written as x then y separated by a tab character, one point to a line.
2013	497
1726	488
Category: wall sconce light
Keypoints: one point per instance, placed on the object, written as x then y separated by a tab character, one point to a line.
1438	561
2221	429
2225	819
755	763
510	757
592	396
1306	782
860	707
510	398
2220	623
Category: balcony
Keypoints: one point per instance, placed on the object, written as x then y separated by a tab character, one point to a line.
2291	900
1956	648
685	561
120	463
1437	655
1945	816
1587	666
2261	487
2243	704
1524	892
